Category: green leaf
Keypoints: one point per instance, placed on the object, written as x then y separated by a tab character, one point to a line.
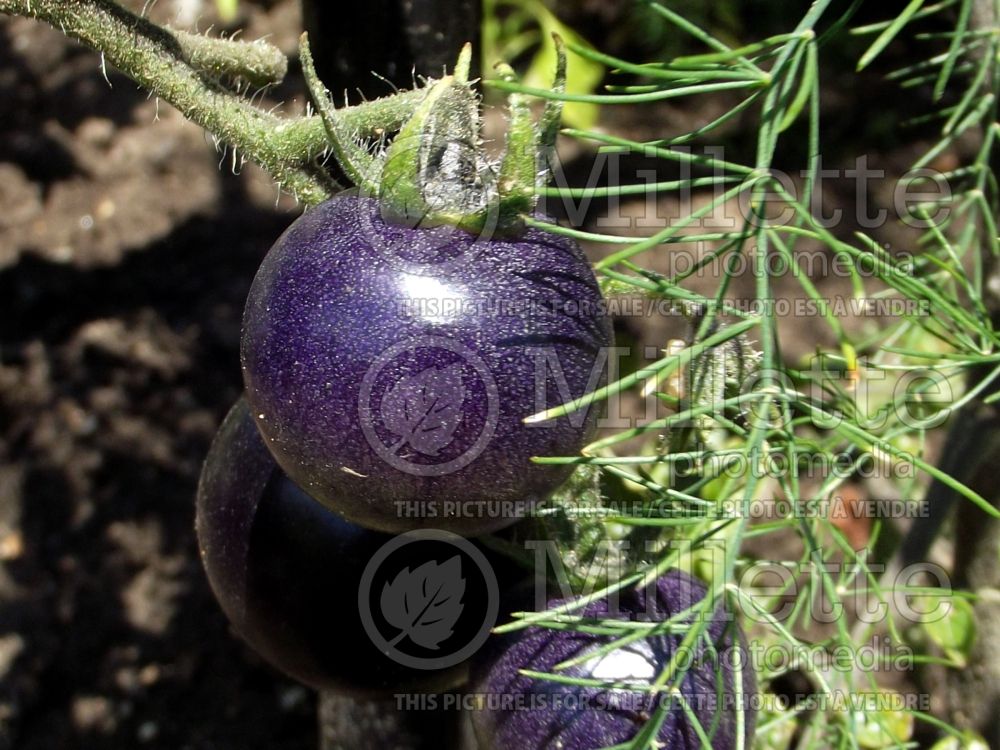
810	80
886	726
776	726
967	741
882	40
955	632
954	49
583	75
227	9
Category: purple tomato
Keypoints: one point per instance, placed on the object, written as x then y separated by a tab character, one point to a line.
525	713
390	368
287	571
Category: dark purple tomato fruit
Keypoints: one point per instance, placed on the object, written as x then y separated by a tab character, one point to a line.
522	713
390	367
287	572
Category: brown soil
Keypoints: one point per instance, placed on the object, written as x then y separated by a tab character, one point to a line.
125	257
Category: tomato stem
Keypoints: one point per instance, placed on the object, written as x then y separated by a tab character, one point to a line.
186	71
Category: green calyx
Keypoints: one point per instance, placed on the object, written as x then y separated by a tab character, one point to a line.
434	171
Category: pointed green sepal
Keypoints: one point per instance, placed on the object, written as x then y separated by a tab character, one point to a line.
435	171
356	162
516	185
548	126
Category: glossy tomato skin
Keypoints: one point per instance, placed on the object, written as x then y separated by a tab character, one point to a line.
540	714
390	368
286	571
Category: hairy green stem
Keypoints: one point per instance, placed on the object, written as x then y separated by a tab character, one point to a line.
258	62
353	160
182	72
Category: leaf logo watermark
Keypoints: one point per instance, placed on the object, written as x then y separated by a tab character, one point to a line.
428	406
425	603
428	599
425	409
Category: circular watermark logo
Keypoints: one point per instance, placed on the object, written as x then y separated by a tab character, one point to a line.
429	406
428	599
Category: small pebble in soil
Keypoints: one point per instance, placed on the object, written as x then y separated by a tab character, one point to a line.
147	731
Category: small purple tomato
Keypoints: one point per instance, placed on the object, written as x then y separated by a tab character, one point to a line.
287	572
390	368
525	713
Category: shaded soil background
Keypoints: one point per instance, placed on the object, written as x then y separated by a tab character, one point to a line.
126	253
127	246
